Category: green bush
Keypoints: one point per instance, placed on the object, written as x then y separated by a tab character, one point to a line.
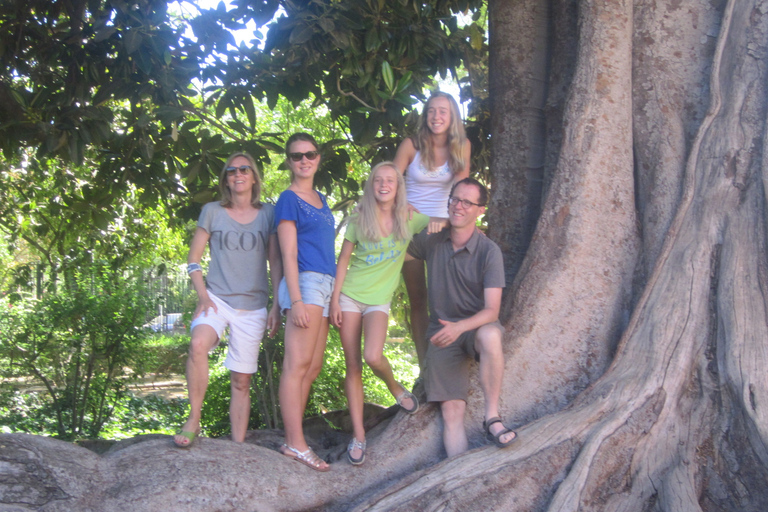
31	413
131	415
150	414
78	344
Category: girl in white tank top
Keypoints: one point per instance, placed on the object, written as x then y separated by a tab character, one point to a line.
433	160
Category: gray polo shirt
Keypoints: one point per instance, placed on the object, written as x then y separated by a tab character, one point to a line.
456	281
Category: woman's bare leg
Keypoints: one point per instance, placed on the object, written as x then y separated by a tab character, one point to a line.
416	285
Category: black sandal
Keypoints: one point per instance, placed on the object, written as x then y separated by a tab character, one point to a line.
496	438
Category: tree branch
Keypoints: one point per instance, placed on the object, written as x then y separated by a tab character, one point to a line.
351	94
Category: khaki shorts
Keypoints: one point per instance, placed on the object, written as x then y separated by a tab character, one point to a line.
447	368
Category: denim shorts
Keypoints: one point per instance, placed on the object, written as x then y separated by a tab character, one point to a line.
315	288
351	305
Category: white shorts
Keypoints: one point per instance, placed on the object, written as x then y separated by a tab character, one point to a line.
246	329
350	305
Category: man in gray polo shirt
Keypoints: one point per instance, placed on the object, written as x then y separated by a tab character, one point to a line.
465	276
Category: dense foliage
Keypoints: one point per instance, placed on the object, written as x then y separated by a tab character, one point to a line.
82	344
143	95
115	118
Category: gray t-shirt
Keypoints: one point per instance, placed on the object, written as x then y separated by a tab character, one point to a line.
238	270
456	280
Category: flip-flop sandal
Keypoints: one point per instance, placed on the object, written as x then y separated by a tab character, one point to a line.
308	457
189	435
407	394
354	443
496	438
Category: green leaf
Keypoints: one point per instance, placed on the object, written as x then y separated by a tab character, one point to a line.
386	72
192	172
100	220
327	25
301	34
131	40
250	112
104	34
204	196
404	82
372	41
405	99
476	37
167	114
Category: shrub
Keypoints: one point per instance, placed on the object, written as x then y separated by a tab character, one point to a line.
78	343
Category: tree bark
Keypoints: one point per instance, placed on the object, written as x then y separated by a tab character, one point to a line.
518	62
570	299
636	359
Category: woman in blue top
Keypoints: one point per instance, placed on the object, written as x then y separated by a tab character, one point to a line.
305	229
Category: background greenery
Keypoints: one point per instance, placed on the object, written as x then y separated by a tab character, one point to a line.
115	119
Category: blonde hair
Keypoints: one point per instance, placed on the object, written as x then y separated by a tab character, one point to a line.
456	137
226	194
367	219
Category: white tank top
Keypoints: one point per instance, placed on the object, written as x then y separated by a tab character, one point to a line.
428	190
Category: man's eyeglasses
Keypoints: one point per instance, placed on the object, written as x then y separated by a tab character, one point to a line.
465	203
243	169
296	157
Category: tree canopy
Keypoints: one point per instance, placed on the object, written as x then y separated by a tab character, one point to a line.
144	94
108	104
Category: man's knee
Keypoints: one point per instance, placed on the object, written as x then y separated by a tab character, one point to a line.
453	411
488	340
203	339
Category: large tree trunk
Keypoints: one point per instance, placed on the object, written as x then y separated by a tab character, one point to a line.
518	62
636	325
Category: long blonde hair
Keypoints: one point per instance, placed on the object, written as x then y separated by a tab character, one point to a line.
457	137
226	194
367	219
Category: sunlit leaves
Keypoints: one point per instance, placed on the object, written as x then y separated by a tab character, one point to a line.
151	102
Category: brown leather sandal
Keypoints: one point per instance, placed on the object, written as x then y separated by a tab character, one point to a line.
496	438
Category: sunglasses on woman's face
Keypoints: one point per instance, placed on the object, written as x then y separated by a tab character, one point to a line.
296	157
243	169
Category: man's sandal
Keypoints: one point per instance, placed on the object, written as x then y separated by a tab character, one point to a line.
308	457
404	395
188	434
496	438
354	443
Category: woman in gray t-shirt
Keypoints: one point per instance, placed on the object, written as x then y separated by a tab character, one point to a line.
239	232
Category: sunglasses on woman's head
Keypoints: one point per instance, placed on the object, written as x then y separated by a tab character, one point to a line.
296	157
243	169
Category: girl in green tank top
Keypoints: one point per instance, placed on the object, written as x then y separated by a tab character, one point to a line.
367	273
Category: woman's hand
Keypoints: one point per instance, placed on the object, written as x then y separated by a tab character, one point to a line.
335	313
300	315
203	305
411	210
